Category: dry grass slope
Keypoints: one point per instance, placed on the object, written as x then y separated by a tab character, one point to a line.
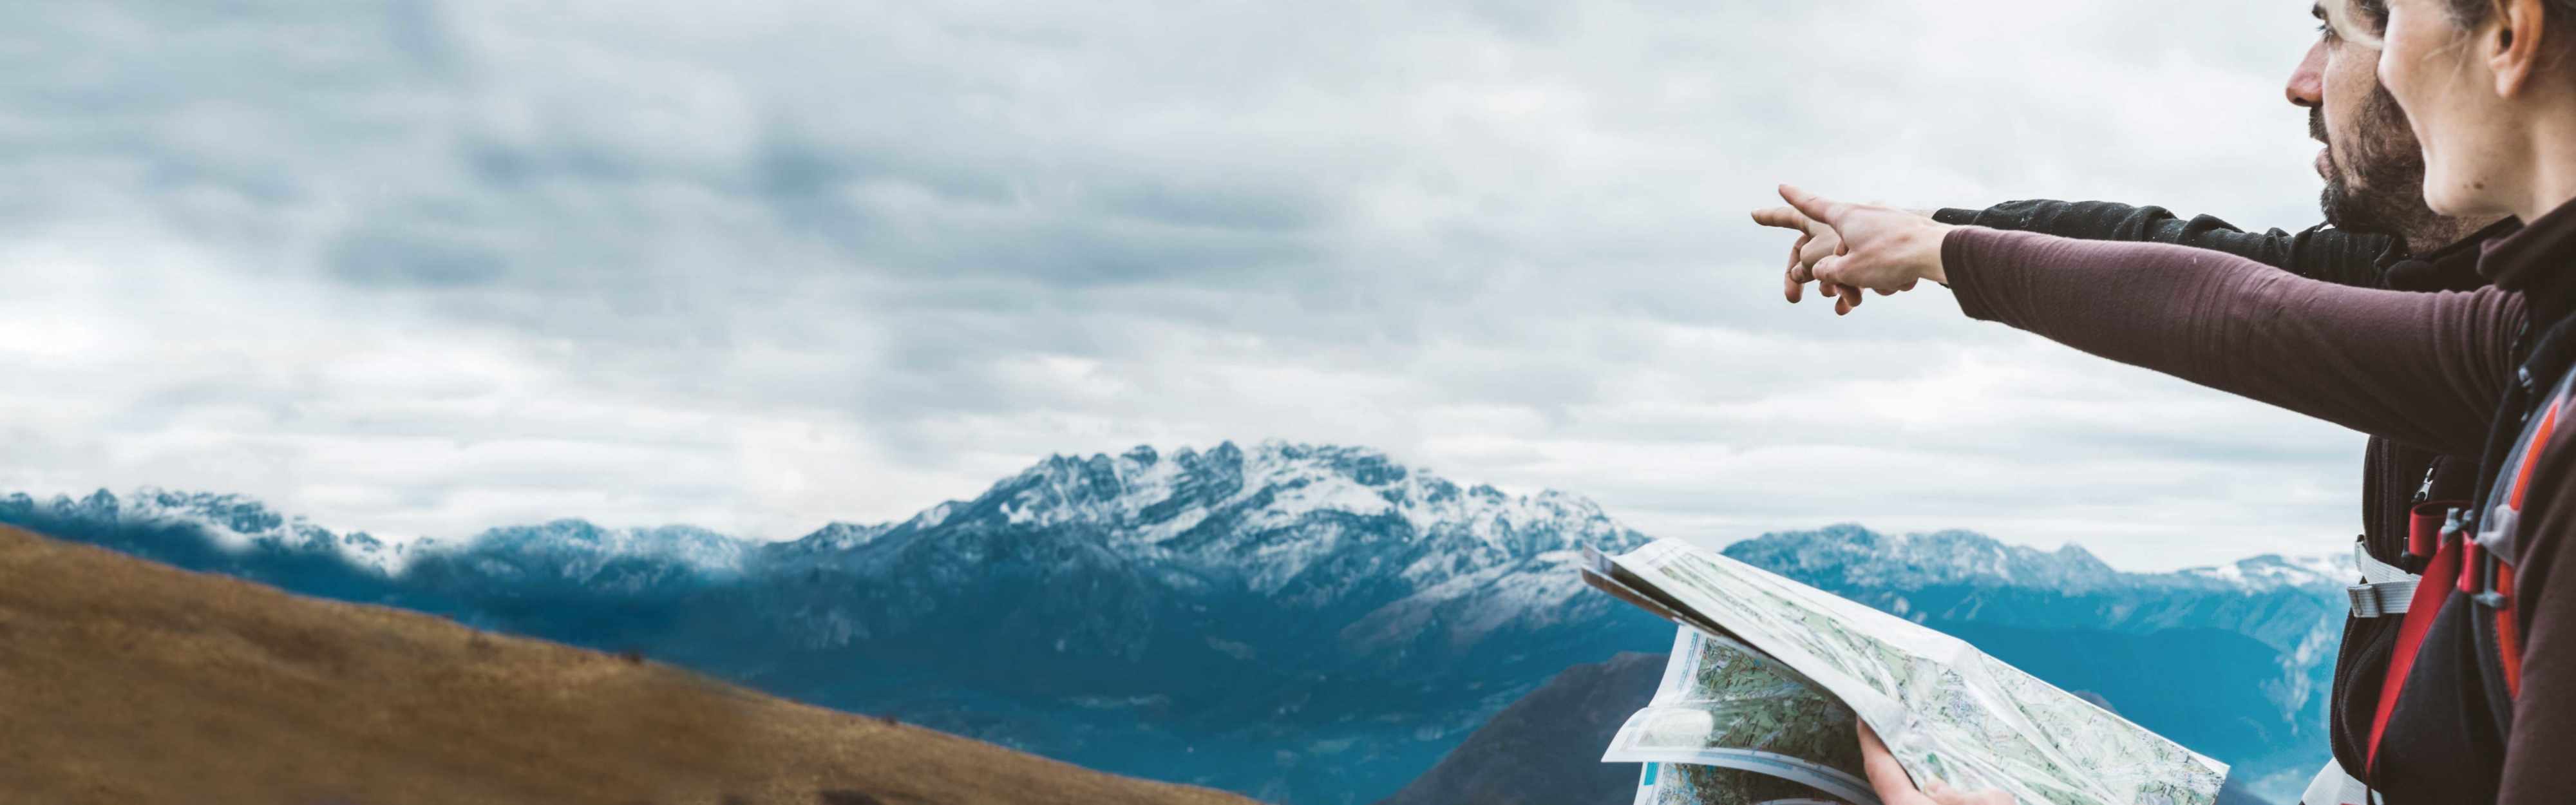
125	681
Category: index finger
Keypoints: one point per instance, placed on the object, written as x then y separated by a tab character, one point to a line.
1782	217
1814	206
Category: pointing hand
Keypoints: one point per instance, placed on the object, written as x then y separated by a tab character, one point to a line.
1882	249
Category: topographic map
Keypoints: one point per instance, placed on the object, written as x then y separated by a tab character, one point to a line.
1692	784
1749	730
1948	712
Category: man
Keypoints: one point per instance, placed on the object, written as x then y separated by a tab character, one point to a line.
2378	233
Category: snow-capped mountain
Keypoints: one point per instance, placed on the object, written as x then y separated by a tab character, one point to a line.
573	548
232	522
1305	624
1293	526
2272	571
1147	501
840	536
1958	574
1858	557
577	550
1850	555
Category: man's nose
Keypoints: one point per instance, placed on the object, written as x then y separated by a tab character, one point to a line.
2308	83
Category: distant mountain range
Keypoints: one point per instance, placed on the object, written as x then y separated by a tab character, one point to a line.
1308	625
127	681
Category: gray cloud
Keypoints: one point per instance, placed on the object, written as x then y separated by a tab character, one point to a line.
426	266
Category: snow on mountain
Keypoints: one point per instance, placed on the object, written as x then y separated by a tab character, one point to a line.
237	522
234	522
1304	525
1270	514
1228	504
1300	525
2270	571
1331	589
835	538
578	549
1855	556
1859	557
1147	497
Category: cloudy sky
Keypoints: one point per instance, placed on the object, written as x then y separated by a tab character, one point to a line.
424	267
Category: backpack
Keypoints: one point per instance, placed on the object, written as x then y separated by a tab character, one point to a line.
2468	583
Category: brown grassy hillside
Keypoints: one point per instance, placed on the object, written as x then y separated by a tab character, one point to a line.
125	681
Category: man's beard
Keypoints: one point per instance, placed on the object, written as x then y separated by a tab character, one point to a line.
2382	191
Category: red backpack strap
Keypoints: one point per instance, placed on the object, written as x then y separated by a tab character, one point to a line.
2508	634
2420	611
2485	574
2493	587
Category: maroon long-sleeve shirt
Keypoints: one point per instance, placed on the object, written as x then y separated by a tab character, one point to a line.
2423	368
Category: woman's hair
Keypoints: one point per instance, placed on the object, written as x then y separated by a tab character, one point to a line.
2558	20
2366	21
2472	12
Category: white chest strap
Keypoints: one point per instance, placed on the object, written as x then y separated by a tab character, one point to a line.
2384	589
2333	787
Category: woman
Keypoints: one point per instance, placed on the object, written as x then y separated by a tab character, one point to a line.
2479	704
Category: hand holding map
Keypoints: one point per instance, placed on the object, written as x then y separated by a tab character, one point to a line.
1887	777
1724	706
1951	715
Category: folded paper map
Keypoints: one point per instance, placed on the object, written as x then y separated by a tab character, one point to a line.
1695	784
1947	711
1747	730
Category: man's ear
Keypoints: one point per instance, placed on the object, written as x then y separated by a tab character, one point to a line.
2514	47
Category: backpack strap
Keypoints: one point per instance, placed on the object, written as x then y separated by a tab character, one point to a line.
2473	559
2486	577
2385	589
2427	601
2332	786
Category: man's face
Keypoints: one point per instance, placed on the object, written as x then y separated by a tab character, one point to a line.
2373	169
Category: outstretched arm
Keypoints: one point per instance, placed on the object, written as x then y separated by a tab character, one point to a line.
2331	255
2420	368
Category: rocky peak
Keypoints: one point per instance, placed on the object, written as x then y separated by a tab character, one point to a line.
1851	555
2273	570
844	536
580	545
1861	556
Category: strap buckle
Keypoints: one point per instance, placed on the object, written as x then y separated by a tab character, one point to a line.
2381	599
2385	589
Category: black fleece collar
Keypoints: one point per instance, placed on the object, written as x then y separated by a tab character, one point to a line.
2453	267
2540	262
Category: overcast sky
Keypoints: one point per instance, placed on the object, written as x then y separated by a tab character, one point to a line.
426	267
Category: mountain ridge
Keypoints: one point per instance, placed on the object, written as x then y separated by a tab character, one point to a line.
1304	624
151	684
1067	489
1296	622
